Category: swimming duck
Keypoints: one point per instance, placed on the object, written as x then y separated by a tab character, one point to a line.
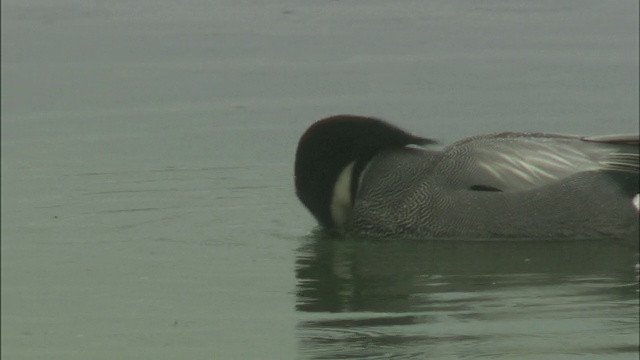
365	176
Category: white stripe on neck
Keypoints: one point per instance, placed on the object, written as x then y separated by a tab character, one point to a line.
341	200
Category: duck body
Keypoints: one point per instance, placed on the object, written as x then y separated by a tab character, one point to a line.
508	185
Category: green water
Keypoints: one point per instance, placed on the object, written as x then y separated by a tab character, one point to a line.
148	209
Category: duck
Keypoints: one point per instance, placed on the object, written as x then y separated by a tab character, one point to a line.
360	175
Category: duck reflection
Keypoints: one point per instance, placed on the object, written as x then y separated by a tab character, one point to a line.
363	294
341	275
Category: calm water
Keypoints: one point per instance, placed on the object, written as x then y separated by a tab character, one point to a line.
147	194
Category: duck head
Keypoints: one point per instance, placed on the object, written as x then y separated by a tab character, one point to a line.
331	156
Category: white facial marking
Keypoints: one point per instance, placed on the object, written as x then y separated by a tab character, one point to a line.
362	174
341	201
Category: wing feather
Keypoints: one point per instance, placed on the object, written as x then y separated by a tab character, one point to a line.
521	161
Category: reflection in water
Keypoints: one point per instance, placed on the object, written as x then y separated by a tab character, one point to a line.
363	298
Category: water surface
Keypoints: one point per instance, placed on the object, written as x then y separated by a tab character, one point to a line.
148	209
459	299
